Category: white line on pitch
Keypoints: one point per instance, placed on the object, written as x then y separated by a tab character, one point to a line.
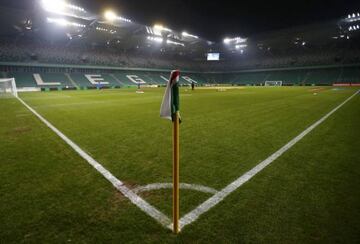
132	196
218	197
185	186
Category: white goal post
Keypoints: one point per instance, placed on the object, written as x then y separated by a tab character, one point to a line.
8	87
273	83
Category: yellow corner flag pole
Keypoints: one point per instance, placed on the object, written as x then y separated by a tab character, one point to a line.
176	160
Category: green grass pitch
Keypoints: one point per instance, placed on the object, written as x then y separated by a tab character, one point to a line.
49	194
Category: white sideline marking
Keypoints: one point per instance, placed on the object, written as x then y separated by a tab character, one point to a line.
70	104
218	197
132	196
48	97
158	186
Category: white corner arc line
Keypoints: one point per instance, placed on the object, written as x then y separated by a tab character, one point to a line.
132	196
185	186
218	197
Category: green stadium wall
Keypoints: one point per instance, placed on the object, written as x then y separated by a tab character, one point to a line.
55	76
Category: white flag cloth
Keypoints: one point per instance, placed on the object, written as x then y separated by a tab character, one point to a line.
170	102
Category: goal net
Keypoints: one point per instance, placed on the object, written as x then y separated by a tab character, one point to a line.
273	83
8	88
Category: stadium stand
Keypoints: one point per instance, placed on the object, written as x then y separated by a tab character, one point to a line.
64	56
55	54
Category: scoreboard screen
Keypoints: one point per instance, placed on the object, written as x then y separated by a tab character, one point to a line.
213	56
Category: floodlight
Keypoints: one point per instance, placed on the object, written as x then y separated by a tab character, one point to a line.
240	46
236	40
156	32
61	22
227	40
184	33
155	39
124	19
175	43
77	8
110	15
61	7
240	40
161	28
54	5
106	30
64	22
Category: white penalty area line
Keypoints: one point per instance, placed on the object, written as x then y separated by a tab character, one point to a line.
218	197
131	195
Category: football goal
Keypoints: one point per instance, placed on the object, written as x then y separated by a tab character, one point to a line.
8	88
273	83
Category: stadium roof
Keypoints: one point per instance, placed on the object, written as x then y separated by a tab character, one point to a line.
60	20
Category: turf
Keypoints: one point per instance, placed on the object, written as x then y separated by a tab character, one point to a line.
310	194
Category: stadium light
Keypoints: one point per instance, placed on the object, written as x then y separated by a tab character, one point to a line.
106	30
54	5
77	8
240	40
236	40
227	40
354	28
64	22
155	39
124	19
60	7
112	16
184	33
240	46
161	28
354	17
175	43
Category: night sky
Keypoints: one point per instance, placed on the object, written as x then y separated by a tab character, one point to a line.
214	20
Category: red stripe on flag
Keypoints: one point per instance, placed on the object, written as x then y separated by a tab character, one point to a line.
174	75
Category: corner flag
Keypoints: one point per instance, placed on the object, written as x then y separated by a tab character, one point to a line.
170	104
170	110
